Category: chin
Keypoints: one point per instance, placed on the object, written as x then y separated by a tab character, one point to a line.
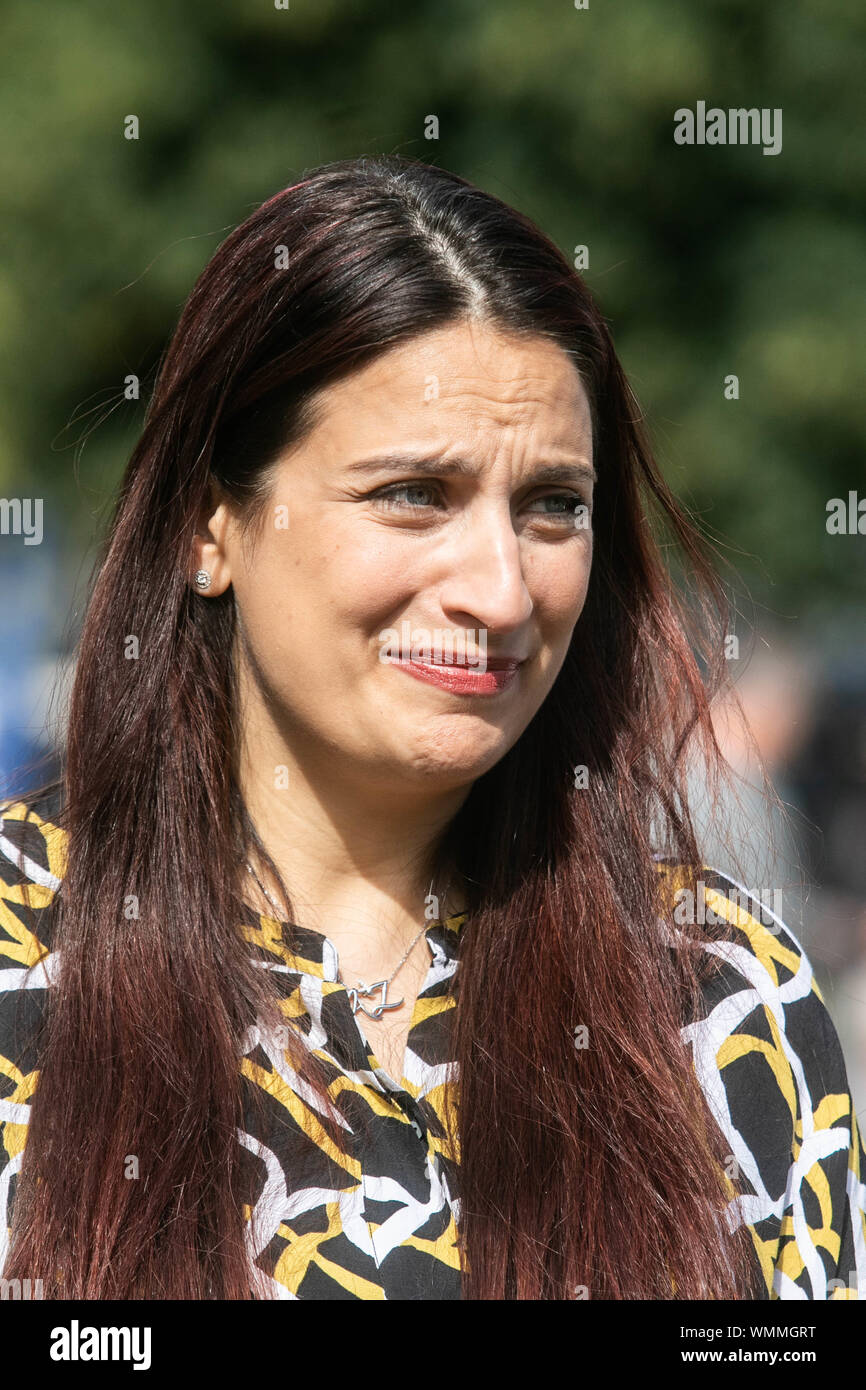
458	757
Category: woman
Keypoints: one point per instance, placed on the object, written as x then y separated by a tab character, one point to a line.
366	949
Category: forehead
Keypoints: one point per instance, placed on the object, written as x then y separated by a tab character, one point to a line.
464	377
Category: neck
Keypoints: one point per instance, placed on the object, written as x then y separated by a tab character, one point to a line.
355	860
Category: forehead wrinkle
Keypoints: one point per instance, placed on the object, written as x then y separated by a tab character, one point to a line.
517	401
519	390
510	417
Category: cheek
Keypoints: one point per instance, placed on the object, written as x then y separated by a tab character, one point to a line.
368	584
558	585
312	598
282	599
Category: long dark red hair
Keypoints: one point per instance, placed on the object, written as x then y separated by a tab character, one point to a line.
596	1168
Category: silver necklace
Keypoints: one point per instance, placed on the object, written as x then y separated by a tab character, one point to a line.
360	989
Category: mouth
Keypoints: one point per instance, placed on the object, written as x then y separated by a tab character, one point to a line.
498	675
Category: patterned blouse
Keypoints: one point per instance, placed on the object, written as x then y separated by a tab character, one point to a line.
380	1222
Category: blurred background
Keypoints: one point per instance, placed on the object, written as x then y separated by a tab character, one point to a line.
707	261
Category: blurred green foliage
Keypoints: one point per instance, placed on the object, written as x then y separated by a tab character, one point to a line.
705	260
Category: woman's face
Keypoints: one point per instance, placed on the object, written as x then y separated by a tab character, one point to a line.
479	539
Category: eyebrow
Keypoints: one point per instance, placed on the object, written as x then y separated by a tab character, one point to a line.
439	467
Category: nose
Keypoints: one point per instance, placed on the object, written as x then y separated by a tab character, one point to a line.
486	581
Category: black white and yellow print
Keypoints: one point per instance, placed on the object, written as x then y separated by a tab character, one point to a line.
380	1220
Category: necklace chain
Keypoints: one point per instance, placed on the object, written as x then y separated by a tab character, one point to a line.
361	989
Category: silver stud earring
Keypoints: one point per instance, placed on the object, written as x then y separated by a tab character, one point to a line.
202	579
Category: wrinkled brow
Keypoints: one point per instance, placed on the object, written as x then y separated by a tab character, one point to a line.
437	466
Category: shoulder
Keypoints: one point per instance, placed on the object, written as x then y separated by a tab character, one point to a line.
32	867
768	1057
763	970
761	951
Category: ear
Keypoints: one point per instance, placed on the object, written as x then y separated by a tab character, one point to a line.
209	544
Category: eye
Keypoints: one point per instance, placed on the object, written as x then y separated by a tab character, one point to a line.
568	501
414	496
387	499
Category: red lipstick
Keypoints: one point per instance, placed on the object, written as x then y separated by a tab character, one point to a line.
464	680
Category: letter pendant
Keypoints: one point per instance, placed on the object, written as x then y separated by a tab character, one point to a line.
378	1009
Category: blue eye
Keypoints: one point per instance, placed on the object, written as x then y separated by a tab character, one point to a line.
570	499
387	500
